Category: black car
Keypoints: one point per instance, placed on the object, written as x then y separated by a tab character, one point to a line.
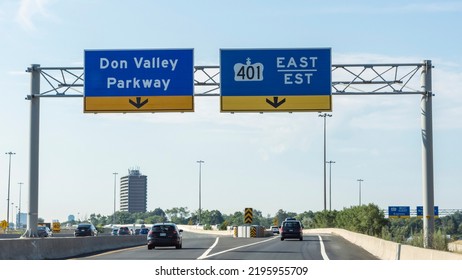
291	229
123	231
85	230
165	234
43	231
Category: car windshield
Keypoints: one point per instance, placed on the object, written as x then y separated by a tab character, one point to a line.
40	228
163	228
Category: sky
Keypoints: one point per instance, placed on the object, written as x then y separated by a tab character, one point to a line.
267	161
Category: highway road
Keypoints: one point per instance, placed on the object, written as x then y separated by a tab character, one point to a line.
219	247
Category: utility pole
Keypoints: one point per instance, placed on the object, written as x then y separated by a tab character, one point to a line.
19	206
325	115
114	213
360	180
330	184
200	206
9	180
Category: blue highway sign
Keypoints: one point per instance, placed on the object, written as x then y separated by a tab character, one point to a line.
420	211
399	211
139	80
276	80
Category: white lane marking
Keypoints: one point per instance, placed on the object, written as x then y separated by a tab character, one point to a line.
232	249
204	255
323	249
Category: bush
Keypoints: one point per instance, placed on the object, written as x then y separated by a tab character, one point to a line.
440	242
367	219
224	225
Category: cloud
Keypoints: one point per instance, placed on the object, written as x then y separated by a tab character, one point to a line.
29	10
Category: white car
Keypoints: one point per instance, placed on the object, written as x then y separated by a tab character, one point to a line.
275	230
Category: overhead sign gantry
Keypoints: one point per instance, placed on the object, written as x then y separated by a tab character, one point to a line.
356	79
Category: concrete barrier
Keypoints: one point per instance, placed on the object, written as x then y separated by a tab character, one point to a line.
63	248
387	250
200	229
455	246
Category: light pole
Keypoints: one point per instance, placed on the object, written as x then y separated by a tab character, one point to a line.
12	213
19	206
330	183
17	217
325	115
360	180
8	199
200	174
114	213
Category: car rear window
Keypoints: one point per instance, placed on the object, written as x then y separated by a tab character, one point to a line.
292	225
163	228
84	226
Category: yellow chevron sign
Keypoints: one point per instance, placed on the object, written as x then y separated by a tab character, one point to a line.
248	215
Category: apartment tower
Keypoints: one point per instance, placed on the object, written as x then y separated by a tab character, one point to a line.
133	192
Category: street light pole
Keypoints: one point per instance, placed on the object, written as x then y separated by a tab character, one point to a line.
12	213
330	184
200	174
9	179
113	215
360	180
325	115
17	217
19	206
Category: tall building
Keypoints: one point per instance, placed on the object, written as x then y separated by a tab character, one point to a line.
133	192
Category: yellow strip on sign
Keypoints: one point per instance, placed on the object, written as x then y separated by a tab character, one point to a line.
288	103
139	104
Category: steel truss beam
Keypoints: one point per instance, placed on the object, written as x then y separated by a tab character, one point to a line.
347	79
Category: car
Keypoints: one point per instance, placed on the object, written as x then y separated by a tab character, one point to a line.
123	231
165	234
85	230
275	230
114	231
291	229
144	231
43	231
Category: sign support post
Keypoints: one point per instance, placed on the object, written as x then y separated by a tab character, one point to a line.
32	215
427	155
